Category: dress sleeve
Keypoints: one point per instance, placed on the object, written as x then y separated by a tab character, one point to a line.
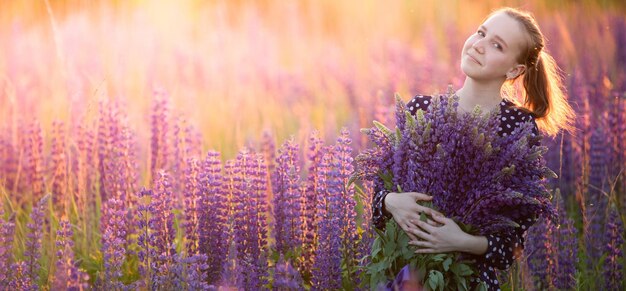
418	102
505	247
380	216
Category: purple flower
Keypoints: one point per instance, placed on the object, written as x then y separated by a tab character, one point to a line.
67	275
287	199
326	272
565	237
342	168
614	243
596	203
310	196
32	246
286	277
35	160
113	242
213	213
159	145
250	221
551	250
58	167
7	230
192	196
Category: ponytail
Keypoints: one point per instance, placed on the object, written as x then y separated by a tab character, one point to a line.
544	96
543	90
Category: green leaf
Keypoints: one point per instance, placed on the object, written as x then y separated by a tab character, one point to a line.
446	264
440	281
464	270
438	257
383	128
432	280
390	246
461	284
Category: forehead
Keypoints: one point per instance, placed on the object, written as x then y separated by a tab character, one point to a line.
507	28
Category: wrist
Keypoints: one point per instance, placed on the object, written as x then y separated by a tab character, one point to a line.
476	245
386	205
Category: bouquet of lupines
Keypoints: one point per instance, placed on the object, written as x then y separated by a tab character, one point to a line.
481	180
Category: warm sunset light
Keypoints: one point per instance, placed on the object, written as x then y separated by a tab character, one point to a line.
252	145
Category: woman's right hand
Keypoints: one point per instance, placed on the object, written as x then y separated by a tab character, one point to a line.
403	208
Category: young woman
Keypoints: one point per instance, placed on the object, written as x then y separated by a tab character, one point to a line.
506	49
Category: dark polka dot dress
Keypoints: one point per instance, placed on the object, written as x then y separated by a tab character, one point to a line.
502	248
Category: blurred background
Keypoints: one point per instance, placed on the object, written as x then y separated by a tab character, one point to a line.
97	92
235	68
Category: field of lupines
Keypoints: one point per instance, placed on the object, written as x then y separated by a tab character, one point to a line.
159	145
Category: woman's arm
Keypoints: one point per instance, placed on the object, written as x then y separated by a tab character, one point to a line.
499	250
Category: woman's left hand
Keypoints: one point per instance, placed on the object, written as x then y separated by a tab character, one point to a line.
447	237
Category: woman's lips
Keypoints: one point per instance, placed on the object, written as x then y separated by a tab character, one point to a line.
474	59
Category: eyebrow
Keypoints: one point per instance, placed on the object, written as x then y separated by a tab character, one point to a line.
495	36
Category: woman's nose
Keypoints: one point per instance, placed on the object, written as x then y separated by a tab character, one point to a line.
478	46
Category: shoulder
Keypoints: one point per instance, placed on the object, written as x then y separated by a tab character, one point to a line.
418	102
512	116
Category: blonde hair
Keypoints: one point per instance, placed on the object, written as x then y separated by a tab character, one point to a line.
543	92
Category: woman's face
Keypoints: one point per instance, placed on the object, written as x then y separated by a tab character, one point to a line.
491	52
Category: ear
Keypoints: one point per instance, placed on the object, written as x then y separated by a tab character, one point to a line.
515	71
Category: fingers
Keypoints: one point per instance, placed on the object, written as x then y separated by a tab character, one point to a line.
440	218
420	196
428	210
423	225
406	228
421	243
426	251
421	234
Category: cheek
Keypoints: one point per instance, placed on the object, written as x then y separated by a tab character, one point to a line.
468	43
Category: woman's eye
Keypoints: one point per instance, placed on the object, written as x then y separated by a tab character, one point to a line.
480	32
497	45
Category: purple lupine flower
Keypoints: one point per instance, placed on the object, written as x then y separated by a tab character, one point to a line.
268	149
540	253
32	245
595	201
35	162
309	213
192	203
177	167
287	199
567	251
342	168
191	271
163	233
7	230
286	277
67	275
250	222
326	272
113	243
159	146
146	253
58	167
21	280
614	244
213	216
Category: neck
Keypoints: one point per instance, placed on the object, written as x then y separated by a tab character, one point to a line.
485	94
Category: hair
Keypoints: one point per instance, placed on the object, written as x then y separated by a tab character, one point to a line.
543	92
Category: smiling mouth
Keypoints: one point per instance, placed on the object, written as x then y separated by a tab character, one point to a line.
474	59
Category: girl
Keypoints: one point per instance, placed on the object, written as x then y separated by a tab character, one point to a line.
507	47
